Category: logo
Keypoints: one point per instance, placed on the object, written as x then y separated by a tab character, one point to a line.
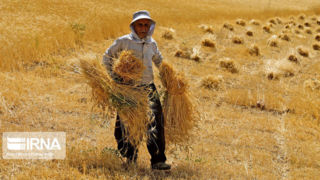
34	145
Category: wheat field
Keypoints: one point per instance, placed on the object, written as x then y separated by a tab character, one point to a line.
252	65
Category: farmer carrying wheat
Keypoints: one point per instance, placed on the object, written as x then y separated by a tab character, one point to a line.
140	42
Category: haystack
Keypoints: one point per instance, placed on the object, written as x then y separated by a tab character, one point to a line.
131	102
179	112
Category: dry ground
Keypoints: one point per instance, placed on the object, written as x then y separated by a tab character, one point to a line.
260	114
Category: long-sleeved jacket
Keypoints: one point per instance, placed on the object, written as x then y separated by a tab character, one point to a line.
145	49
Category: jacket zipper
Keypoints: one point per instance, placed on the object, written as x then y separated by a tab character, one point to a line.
142	51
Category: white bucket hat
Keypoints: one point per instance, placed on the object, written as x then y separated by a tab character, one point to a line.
143	14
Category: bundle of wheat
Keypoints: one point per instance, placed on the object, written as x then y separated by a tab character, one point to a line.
208	42
302	16
206	28
308	31
273	41
272	21
179	112
284	37
254	50
182	53
228	65
167	34
130	102
279	21
293	58
249	33
266	29
211	82
316	47
300	26
303	51
241	22
128	67
228	26
254	22
313	18
237	40
307	24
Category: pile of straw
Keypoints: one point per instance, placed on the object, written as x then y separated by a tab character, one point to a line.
130	102
179	112
128	67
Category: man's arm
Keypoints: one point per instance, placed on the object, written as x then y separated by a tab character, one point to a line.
111	52
157	58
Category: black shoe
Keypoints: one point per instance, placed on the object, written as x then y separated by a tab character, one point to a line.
161	166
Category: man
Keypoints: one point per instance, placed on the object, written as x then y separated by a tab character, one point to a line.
144	48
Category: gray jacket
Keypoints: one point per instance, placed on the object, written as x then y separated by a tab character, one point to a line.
145	49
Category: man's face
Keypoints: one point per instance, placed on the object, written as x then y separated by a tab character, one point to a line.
141	27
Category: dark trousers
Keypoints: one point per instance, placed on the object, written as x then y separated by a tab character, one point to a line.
156	141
